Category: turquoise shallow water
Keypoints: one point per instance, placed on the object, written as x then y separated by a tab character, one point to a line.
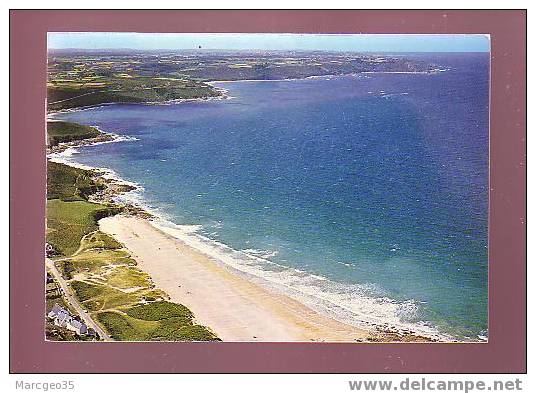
364	195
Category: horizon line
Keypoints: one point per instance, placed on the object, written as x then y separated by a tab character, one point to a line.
337	42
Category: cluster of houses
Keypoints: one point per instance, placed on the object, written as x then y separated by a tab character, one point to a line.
61	317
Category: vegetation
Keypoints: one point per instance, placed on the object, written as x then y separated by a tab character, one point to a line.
97	297
85	291
96	261
68	222
125	277
83	91
99	240
124	328
159	310
176	329
62	131
70	184
69	215
166	328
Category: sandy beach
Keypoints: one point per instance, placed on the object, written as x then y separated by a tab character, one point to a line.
233	307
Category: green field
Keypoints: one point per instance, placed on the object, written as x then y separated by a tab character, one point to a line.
124	328
62	131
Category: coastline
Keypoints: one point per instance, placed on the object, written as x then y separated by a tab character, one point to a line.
271	314
224	92
223	96
328	76
234	308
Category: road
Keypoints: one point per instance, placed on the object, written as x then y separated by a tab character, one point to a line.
71	98
73	302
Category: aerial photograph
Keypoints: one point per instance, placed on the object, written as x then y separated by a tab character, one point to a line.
267	187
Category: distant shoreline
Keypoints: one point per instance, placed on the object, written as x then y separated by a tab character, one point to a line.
224	95
326	76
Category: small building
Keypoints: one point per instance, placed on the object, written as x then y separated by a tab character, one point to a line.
63	318
77	326
57	312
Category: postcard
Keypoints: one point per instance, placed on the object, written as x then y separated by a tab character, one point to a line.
267	187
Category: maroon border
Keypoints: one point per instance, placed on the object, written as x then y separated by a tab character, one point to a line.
506	350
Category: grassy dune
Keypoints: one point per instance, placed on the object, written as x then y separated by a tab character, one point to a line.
122	327
99	240
158	311
92	261
158	321
123	298
125	277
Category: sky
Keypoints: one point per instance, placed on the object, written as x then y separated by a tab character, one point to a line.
263	41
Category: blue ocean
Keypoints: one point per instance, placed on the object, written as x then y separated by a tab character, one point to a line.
365	196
